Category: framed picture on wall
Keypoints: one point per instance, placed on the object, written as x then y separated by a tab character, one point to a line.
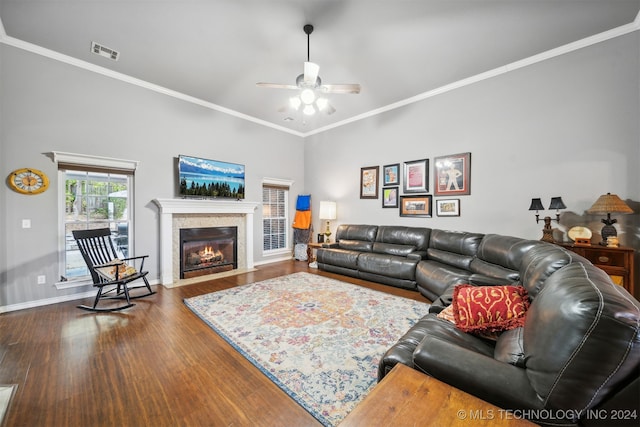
369	182
416	176
417	206
452	175
448	207
391	174
390	197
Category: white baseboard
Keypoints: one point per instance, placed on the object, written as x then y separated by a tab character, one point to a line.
285	257
46	301
49	301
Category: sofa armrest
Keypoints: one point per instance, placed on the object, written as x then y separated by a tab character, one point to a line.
499	383
330	245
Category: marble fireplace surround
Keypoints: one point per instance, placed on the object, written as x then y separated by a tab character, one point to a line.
189	213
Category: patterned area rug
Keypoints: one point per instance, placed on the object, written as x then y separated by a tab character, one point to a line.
317	338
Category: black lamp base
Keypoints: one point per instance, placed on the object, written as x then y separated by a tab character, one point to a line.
606	232
547	231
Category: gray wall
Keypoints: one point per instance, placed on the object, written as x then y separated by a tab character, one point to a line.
51	106
565	127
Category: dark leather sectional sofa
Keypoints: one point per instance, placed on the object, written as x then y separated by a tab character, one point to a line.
576	360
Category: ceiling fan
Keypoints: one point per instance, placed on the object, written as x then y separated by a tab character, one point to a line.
311	87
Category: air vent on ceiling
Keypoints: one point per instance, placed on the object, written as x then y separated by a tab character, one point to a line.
107	52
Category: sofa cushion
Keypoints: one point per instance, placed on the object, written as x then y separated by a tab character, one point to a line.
501	256
489	308
459	242
338	257
406	349
418	237
365	233
447	331
355	245
448	314
510	347
451	258
393	249
434	278
388	265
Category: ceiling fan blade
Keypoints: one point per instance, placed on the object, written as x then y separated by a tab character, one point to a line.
276	85
341	88
329	110
311	71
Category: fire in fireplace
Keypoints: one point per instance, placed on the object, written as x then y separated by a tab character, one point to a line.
207	250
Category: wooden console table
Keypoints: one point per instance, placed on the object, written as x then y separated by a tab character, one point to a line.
616	262
406	397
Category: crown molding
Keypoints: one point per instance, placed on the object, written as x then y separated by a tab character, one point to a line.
48	53
552	53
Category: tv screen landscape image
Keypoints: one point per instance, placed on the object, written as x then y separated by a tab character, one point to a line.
210	178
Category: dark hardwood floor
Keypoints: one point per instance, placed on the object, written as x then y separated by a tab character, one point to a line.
152	364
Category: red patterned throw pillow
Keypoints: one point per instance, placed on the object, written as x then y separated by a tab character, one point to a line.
489	308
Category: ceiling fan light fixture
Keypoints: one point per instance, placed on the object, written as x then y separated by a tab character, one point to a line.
309	84
295	102
322	103
307	96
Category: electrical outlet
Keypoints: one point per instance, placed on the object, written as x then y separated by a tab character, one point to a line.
42	280
26	223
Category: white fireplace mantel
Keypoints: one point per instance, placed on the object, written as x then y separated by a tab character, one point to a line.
170	207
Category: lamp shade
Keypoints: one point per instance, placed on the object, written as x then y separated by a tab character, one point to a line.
536	205
557	203
327	210
609	203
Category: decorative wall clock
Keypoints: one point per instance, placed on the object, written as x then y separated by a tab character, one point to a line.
28	181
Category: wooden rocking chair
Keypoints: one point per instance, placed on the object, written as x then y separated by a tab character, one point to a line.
110	274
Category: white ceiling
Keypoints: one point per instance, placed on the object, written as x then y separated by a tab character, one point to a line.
216	50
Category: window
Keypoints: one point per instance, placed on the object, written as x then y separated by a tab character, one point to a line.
92	195
275	215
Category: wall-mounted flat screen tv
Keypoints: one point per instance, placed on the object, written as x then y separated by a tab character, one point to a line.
210	178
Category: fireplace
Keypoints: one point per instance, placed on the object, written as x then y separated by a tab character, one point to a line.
207	251
176	214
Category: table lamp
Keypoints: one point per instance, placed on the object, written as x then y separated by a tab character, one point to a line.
607	204
328	213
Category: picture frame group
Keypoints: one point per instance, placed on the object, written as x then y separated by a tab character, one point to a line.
451	177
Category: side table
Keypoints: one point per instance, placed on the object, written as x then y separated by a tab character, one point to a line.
310	247
616	262
406	397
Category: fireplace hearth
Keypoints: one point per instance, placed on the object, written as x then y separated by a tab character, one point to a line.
207	250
